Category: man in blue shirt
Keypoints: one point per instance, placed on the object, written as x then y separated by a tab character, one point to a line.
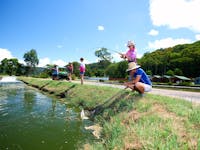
140	81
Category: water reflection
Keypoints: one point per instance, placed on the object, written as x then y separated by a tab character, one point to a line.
29	100
35	121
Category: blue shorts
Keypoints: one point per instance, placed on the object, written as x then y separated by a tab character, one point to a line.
82	73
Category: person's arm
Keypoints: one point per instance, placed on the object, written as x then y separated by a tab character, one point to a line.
123	56
134	81
137	79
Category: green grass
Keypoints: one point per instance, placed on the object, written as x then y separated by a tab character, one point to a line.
130	121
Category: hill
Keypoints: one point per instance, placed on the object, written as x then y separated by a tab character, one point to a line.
184	59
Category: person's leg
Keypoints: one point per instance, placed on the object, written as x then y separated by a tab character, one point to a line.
147	88
70	76
139	87
82	76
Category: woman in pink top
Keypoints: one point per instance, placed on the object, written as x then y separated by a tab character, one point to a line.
131	53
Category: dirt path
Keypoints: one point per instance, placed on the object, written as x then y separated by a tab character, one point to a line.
189	96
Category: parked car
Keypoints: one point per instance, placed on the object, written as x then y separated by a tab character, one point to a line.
59	74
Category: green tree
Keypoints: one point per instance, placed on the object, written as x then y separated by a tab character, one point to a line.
117	70
149	72
31	60
178	71
186	57
121	69
103	54
170	73
76	68
111	70
10	66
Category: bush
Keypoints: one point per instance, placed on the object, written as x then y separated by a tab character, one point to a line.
185	84
121	81
73	77
169	83
41	75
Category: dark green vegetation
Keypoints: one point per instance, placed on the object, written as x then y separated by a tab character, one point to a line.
128	120
180	60
13	67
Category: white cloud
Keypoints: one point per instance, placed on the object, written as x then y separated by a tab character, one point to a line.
100	28
168	42
43	62
87	61
197	37
59	62
139	55
5	53
22	61
153	32
176	13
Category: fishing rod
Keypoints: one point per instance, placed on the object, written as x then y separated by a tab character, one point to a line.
115	51
120	53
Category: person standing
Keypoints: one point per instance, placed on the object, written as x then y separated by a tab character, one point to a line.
82	69
130	55
70	70
141	81
55	72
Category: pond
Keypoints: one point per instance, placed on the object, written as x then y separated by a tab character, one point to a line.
30	120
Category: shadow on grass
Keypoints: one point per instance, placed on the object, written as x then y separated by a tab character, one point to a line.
64	93
44	86
120	102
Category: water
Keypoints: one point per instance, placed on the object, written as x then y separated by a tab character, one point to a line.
30	120
7	79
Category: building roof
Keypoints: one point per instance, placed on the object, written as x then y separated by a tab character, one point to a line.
157	76
166	76
182	78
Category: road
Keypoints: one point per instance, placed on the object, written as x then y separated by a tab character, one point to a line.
186	95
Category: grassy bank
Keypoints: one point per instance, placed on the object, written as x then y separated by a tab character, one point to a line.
128	120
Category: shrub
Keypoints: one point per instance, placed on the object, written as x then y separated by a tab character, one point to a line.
73	77
169	83
185	84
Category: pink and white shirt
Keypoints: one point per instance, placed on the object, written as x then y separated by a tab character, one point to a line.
82	67
131	55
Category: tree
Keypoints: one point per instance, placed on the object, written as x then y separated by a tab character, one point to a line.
31	59
186	57
10	66
121	69
149	72
111	70
103	54
178	71
170	73
117	70
76	68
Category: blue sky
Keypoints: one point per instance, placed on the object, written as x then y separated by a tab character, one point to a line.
65	30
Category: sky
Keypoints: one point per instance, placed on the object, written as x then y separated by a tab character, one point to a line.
63	31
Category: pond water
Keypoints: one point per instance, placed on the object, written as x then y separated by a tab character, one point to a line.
30	120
